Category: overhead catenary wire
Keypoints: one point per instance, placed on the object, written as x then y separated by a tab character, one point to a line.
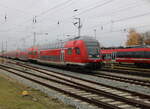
55	7
132	17
42	13
15	9
125	29
104	14
122	19
64	3
94	7
100	5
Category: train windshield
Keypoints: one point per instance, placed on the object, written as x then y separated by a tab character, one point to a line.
93	49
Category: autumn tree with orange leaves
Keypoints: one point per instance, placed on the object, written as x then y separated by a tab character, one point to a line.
134	38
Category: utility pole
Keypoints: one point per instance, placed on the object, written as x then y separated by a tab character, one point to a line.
34	33
2	49
95	33
79	26
79	23
34	39
2	52
6	46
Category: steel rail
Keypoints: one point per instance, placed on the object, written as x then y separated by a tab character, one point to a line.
124	79
97	83
126	71
99	92
91	101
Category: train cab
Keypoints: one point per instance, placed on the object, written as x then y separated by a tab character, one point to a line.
33	54
83	51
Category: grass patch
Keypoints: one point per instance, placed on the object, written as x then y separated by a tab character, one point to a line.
11	97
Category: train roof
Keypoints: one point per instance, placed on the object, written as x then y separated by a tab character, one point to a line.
122	47
85	38
61	43
124	50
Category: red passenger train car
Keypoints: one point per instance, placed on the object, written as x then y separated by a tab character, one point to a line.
78	51
140	55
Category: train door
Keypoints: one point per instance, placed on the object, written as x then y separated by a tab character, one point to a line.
77	55
113	56
62	55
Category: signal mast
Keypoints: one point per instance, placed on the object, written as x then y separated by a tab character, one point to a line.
79	23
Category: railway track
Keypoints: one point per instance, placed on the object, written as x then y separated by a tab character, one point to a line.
128	70
132	65
133	69
124	78
88	91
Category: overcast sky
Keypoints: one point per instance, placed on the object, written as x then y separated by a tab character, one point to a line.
108	17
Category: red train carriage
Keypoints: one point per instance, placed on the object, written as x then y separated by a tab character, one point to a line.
23	54
32	54
83	52
106	55
79	51
140	56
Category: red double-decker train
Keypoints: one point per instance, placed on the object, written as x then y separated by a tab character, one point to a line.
78	51
140	55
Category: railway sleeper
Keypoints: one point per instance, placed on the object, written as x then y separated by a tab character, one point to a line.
60	87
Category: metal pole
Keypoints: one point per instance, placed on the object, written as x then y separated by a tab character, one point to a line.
2	60
79	27
6	46
34	39
2	49
95	33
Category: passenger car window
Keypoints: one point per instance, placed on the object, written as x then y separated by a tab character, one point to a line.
34	52
30	53
69	51
77	50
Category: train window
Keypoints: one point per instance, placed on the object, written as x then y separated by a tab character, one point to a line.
69	51
93	51
30	53
142	54
119	54
146	54
108	56
77	50
92	44
103	56
135	54
34	52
